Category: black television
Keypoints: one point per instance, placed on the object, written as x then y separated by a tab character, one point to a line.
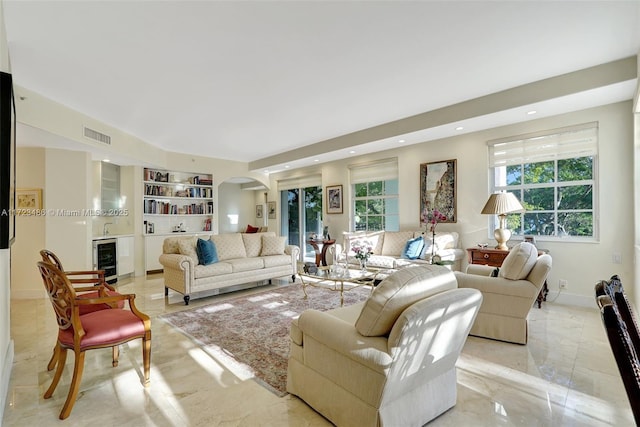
7	161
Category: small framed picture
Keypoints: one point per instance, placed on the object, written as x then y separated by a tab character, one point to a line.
259	211
530	239
271	208
29	198
334	199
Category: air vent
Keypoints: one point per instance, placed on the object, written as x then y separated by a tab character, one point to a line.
97	136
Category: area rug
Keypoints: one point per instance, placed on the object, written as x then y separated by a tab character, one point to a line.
252	332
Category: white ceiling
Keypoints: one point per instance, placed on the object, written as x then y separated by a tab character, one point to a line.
249	80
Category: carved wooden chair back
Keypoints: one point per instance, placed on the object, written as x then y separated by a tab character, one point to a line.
619	329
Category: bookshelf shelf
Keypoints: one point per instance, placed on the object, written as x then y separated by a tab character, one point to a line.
177	201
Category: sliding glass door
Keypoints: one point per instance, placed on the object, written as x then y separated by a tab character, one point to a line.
301	216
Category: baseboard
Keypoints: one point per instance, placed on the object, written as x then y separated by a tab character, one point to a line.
571	299
5	378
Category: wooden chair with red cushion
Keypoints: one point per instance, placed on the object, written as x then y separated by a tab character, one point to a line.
93	286
95	329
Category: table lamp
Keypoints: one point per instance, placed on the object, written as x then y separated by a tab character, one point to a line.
501	204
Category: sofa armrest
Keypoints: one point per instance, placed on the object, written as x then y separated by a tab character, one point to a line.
343	338
496	285
177	261
480	270
292	250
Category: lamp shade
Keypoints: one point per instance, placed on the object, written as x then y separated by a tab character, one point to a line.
502	203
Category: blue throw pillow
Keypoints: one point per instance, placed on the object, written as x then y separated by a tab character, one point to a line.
207	252
413	248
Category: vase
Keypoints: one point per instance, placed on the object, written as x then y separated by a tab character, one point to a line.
363	264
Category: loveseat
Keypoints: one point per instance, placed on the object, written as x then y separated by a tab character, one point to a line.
240	258
388	361
508	297
388	248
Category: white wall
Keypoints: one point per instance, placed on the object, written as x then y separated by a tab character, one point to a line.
232	200
69	184
581	264
30	230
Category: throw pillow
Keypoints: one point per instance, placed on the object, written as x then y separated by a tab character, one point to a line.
252	229
273	245
397	292
518	263
188	247
229	246
207	253
413	248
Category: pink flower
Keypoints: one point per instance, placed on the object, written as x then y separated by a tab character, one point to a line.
363	249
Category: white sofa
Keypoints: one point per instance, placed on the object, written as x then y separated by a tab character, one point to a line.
242	258
389	245
388	361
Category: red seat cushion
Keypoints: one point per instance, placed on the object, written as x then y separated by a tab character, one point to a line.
105	328
86	309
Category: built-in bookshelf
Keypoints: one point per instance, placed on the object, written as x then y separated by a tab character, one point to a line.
177	202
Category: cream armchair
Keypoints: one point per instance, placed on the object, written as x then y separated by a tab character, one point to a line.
507	298
389	360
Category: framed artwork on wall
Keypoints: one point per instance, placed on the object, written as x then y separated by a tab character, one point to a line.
438	188
259	211
334	199
271	208
29	198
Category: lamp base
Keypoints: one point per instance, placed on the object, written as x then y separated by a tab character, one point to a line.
502	236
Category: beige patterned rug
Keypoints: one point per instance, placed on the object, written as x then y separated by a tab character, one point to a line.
252	332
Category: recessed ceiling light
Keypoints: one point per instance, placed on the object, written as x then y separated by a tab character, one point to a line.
459	128
531	112
352	152
266	171
401	141
316	160
287	166
106	160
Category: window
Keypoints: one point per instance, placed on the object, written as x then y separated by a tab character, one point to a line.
553	175
375	200
301	211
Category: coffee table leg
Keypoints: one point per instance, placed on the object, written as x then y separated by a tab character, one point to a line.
341	293
304	287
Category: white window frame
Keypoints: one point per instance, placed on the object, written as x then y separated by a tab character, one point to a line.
551	145
383	170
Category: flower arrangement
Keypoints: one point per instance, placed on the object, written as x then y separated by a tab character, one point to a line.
362	249
431	219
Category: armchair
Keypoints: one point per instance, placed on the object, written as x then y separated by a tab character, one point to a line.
97	329
389	360
508	297
94	286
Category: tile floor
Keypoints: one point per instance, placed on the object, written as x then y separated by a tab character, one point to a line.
564	376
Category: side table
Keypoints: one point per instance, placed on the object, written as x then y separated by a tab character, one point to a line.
321	254
494	258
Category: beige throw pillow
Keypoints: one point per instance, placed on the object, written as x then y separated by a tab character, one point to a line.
188	247
229	246
397	292
518	263
273	245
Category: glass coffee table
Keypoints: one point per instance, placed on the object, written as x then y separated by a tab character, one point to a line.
340	279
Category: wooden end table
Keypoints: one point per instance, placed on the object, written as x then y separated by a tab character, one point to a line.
494	258
321	254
